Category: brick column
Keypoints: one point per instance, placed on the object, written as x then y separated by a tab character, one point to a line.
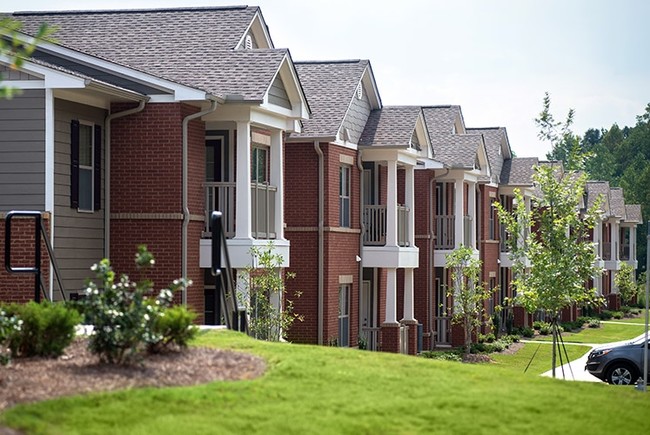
390	337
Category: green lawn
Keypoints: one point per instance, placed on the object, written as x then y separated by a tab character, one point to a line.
538	356
607	333
640	320
310	389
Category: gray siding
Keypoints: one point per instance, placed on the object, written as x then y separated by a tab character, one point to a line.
11	74
22	151
278	95
357	116
78	236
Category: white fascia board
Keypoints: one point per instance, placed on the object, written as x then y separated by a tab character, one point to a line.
400	155
429	164
258	27
181	92
368	79
289	78
52	78
25	84
269	119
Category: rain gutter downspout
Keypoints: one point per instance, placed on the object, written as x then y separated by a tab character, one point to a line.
321	185
186	209
361	225
107	170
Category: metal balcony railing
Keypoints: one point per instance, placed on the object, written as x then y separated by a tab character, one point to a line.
374	220
445	232
624	254
467	230
370	337
221	196
607	251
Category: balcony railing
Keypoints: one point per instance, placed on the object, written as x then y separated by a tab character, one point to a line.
625	252
467	230
374	220
221	196
607	251
445	232
370	337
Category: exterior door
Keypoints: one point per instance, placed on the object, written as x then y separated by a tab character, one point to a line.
368	315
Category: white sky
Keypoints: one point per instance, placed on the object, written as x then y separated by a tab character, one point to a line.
495	58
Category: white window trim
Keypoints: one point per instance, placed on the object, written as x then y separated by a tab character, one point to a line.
91	167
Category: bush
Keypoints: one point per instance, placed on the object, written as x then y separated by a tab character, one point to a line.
47	329
174	326
584	319
617	315
594	323
486	338
545	329
124	319
513	338
443	356
10	325
527	332
606	315
537	325
626	310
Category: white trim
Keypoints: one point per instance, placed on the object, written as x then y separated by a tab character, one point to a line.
49	171
256	26
25	84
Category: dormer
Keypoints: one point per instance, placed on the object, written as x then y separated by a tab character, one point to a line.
256	36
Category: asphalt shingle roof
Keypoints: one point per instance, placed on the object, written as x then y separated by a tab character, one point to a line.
329	87
633	213
452	150
617	202
390	126
596	189
519	171
493	138
190	46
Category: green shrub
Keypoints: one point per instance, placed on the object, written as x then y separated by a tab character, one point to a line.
626	309
513	338
606	315
123	317
537	325
594	323
10	325
583	319
545	329
527	332
569	326
174	327
47	329
486	338
444	356
617	315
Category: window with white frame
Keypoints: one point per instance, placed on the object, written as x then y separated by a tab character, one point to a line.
343	338
85	166
344	196
260	169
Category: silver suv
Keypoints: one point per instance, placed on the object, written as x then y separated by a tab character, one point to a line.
617	364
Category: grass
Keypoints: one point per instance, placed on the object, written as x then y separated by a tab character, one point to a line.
311	389
607	333
540	354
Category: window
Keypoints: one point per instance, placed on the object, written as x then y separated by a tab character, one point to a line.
259	171
492	223
85	166
344	316
344	196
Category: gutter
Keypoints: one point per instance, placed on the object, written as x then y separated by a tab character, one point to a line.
321	207
362	226
107	171
186	210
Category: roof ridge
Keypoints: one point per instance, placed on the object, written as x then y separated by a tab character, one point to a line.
131	11
319	62
483	128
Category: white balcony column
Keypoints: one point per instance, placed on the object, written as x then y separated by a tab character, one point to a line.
243	209
472	213
410	203
459	201
391	205
597	230
277	179
391	296
408	295
633	243
615	241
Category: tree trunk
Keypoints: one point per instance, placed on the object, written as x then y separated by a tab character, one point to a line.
554	330
468	335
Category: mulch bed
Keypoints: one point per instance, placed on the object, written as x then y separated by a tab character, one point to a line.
28	380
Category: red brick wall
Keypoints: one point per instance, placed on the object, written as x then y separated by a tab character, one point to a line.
20	287
146	177
423	276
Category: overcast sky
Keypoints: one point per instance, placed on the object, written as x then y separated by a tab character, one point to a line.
495	58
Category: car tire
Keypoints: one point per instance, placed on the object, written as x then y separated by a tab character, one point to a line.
622	374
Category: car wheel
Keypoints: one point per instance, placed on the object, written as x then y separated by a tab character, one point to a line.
621	374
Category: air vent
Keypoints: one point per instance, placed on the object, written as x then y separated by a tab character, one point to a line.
359	91
248	42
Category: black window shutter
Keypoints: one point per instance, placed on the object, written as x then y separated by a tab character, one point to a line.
74	164
97	166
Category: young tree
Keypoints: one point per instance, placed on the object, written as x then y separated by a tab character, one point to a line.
468	292
553	263
624	281
16	48
270	312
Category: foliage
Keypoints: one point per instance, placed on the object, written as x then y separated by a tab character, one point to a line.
124	319
606	315
545	329
175	327
16	48
10	325
594	323
499	345
469	293
264	295
625	282
46	329
443	355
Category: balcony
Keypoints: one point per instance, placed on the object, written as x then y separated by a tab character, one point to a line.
607	251
624	255
374	220
444	232
221	196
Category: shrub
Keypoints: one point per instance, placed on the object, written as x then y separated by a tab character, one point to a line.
47	329
625	309
545	329
594	323
605	315
443	356
617	315
527	332
486	338
9	326
537	325
124	320
583	319
513	338
173	326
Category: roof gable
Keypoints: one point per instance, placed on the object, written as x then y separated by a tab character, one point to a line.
395	126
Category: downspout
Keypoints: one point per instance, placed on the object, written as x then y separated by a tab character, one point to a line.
321	184
361	225
107	171
186	209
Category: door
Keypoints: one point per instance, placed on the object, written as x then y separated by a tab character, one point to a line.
368	315
442	315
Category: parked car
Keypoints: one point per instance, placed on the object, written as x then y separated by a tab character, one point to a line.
617	364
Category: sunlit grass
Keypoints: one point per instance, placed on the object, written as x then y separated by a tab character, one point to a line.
535	359
310	389
607	333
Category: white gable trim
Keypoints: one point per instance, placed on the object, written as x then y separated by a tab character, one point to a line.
289	78
259	30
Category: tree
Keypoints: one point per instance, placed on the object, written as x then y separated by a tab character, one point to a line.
17	48
270	312
552	264
626	284
468	291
